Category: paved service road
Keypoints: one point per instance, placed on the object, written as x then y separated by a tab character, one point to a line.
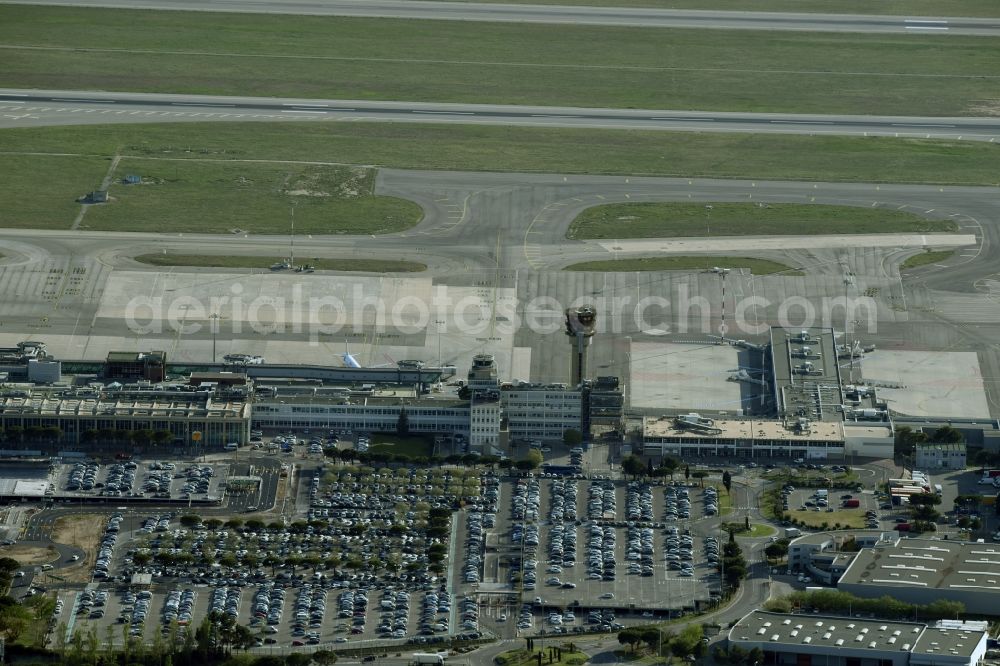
25	108
608	16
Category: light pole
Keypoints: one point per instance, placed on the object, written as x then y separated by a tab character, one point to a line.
215	331
439	323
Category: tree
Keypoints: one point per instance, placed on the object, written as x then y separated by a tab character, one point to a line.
532	460
403	424
633	465
162	437
141	437
89	436
190	520
701	475
776	551
687	472
727	481
572	437
947	435
629	637
14	434
324	657
669	466
907	439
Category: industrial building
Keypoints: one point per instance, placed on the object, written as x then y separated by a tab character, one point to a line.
940	456
820	640
920	571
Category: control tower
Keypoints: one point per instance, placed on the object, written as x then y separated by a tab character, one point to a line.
580	327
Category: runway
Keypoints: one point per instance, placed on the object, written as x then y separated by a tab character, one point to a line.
29	108
566	15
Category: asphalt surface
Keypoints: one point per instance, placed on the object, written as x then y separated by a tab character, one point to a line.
507	231
30	108
566	15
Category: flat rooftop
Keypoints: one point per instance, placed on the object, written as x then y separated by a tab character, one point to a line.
171	404
817	633
927	563
931	383
806	373
745	429
674	376
823	632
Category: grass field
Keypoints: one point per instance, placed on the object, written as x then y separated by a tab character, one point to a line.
984	8
409	445
46	188
755	266
670	220
232	197
848	518
322	264
925	258
449	61
758	530
482	148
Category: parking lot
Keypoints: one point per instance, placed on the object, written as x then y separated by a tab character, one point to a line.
396	554
128	479
369	562
570	544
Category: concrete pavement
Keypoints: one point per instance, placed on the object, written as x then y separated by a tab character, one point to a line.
37	108
566	15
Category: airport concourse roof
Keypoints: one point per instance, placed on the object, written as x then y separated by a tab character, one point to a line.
928	563
49	403
826	632
815	393
404	397
746	429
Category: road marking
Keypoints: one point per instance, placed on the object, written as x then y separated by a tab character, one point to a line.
801	122
70	99
301	111
447	113
549	115
701	120
919	125
200	104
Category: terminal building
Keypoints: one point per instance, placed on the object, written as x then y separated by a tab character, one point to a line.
85	414
819	640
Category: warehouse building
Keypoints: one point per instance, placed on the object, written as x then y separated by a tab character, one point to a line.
920	571
816	640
